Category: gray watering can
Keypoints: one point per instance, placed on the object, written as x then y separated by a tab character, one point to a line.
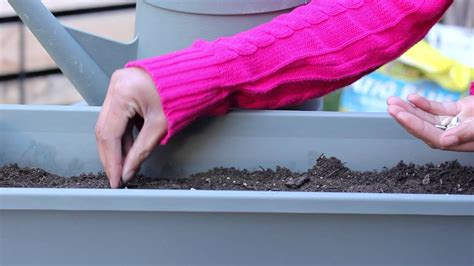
162	26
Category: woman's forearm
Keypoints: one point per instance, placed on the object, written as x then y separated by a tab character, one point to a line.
309	52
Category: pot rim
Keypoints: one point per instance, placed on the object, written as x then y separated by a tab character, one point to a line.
219	7
234	201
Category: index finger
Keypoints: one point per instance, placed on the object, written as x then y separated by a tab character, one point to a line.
419	128
433	107
403	105
110	128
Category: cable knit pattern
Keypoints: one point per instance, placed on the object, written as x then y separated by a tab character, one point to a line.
315	49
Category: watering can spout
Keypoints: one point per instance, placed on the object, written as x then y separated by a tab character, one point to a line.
87	61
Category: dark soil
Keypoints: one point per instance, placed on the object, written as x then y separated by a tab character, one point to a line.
328	175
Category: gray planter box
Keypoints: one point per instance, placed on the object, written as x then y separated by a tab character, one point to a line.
164	227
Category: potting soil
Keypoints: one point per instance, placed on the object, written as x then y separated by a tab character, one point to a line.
327	175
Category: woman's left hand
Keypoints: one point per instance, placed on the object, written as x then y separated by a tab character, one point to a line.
420	115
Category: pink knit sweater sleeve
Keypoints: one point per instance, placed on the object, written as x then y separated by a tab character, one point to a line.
317	48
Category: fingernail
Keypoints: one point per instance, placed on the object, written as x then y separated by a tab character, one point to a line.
127	176
112	185
450	140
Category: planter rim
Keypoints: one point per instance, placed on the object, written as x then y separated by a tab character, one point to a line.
234	201
46	107
96	109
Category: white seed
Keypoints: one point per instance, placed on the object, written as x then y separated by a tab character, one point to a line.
446	121
441	127
454	121
453	126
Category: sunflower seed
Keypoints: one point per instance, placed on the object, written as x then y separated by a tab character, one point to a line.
446	121
454	121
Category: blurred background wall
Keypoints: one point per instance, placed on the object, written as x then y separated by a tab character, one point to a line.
461	14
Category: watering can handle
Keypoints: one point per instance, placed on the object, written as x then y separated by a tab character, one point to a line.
85	74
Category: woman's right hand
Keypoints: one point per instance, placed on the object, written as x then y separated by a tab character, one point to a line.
131	99
420	115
